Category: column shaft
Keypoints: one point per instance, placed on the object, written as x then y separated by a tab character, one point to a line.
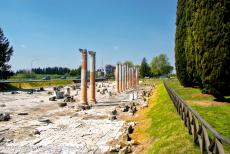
92	77
83	76
117	78
120	77
123	78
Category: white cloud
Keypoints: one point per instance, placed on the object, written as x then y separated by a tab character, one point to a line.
23	46
115	47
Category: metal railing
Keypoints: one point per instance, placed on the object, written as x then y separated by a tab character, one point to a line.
204	135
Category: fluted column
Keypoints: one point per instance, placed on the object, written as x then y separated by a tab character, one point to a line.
83	76
130	85
125	77
137	76
127	81
92	98
120	77
117	78
134	77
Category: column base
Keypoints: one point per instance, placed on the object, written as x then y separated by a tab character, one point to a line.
92	101
84	106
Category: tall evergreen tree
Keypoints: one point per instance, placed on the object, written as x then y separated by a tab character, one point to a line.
6	52
213	46
203	45
180	49
144	68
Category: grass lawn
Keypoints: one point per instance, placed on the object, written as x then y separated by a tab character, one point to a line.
28	85
160	129
215	113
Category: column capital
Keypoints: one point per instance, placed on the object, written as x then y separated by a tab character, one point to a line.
92	53
83	51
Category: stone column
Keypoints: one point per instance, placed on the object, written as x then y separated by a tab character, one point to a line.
123	77
117	78
130	85
127	78
120	77
92	98
131	82
137	76
83	76
134	77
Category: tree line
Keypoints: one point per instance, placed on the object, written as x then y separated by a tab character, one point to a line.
51	70
202	45
159	66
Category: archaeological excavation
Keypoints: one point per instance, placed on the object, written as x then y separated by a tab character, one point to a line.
85	117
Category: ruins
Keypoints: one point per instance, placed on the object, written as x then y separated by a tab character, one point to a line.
65	119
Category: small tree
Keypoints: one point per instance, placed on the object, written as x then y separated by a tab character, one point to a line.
75	72
160	65
6	52
144	68
129	63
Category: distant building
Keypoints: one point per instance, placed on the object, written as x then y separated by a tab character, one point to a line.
109	69
100	72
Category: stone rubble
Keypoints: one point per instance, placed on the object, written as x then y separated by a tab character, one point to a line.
44	127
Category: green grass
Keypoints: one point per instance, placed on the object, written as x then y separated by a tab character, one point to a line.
34	76
187	93
217	115
28	85
167	129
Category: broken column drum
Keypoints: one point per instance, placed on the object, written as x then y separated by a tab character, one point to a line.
117	78
92	98
83	77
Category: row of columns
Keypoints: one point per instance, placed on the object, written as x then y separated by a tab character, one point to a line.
126	77
92	97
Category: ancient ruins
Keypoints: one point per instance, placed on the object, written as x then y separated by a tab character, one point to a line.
66	119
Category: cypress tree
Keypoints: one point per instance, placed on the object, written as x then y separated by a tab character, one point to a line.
203	45
144	68
214	47
180	50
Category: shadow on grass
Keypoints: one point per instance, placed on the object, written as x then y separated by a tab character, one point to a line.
225	100
5	87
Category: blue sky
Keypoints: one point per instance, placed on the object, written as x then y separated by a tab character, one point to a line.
50	32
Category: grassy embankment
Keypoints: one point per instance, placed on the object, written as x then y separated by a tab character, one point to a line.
160	129
215	113
28	85
34	76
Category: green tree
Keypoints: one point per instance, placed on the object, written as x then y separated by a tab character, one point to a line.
75	72
180	43
202	47
129	63
160	65
144	68
6	52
